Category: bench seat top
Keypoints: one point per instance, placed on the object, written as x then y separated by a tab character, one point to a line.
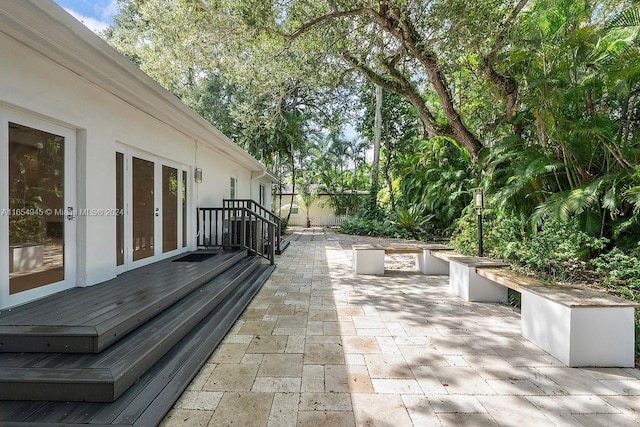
397	249
478	262
436	247
402	250
567	295
508	278
579	296
365	247
444	255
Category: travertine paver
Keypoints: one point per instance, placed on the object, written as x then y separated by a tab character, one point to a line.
319	346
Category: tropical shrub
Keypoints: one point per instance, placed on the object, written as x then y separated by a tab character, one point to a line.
413	219
557	250
618	271
437	177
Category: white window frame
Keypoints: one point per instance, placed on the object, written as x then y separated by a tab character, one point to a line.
70	199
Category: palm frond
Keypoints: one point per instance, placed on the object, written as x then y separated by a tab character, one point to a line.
632	195
626	18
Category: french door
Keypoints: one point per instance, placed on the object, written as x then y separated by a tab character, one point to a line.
151	198
37	208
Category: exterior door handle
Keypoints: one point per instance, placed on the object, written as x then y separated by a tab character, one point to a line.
70	215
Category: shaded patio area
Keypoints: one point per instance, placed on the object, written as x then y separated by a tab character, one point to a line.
321	346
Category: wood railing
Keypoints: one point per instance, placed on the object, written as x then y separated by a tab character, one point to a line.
240	224
259	209
209	227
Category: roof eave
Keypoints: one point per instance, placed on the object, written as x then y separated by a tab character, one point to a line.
49	30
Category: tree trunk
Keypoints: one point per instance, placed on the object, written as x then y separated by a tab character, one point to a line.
377	135
293	185
387	167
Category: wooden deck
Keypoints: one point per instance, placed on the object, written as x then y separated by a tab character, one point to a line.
155	327
87	320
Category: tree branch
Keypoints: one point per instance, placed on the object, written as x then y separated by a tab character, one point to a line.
413	96
391	20
507	86
399	86
333	15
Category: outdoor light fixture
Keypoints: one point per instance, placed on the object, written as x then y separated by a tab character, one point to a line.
198	175
478	203
478	198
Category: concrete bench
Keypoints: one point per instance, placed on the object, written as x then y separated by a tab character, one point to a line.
369	259
467	284
435	259
577	325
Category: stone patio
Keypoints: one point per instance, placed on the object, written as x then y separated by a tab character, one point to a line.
320	346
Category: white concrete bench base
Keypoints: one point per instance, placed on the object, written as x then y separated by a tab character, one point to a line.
469	286
430	264
579	335
368	260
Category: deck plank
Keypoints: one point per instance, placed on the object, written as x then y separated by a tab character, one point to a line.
127	360
135	297
149	399
81	301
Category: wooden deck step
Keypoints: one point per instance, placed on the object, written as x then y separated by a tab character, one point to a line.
105	376
88	320
284	244
148	400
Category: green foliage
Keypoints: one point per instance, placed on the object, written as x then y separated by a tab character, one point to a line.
385	228
369	210
283	225
342	172
413	219
378	228
557	250
26	229
619	272
437	176
626	18
560	249
367	227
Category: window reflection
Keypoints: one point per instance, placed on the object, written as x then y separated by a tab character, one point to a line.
36	208
169	209
143	208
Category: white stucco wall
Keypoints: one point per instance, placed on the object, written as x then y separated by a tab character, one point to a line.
34	86
319	212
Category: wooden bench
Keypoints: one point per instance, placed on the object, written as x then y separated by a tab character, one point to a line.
578	325
369	259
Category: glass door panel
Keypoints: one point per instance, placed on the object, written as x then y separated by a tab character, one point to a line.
143	208
119	208
169	209
36	208
184	209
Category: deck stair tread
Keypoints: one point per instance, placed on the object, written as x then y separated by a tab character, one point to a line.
103	377
153	395
284	244
88	320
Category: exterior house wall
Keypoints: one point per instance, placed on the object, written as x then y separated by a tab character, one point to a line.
38	89
321	213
